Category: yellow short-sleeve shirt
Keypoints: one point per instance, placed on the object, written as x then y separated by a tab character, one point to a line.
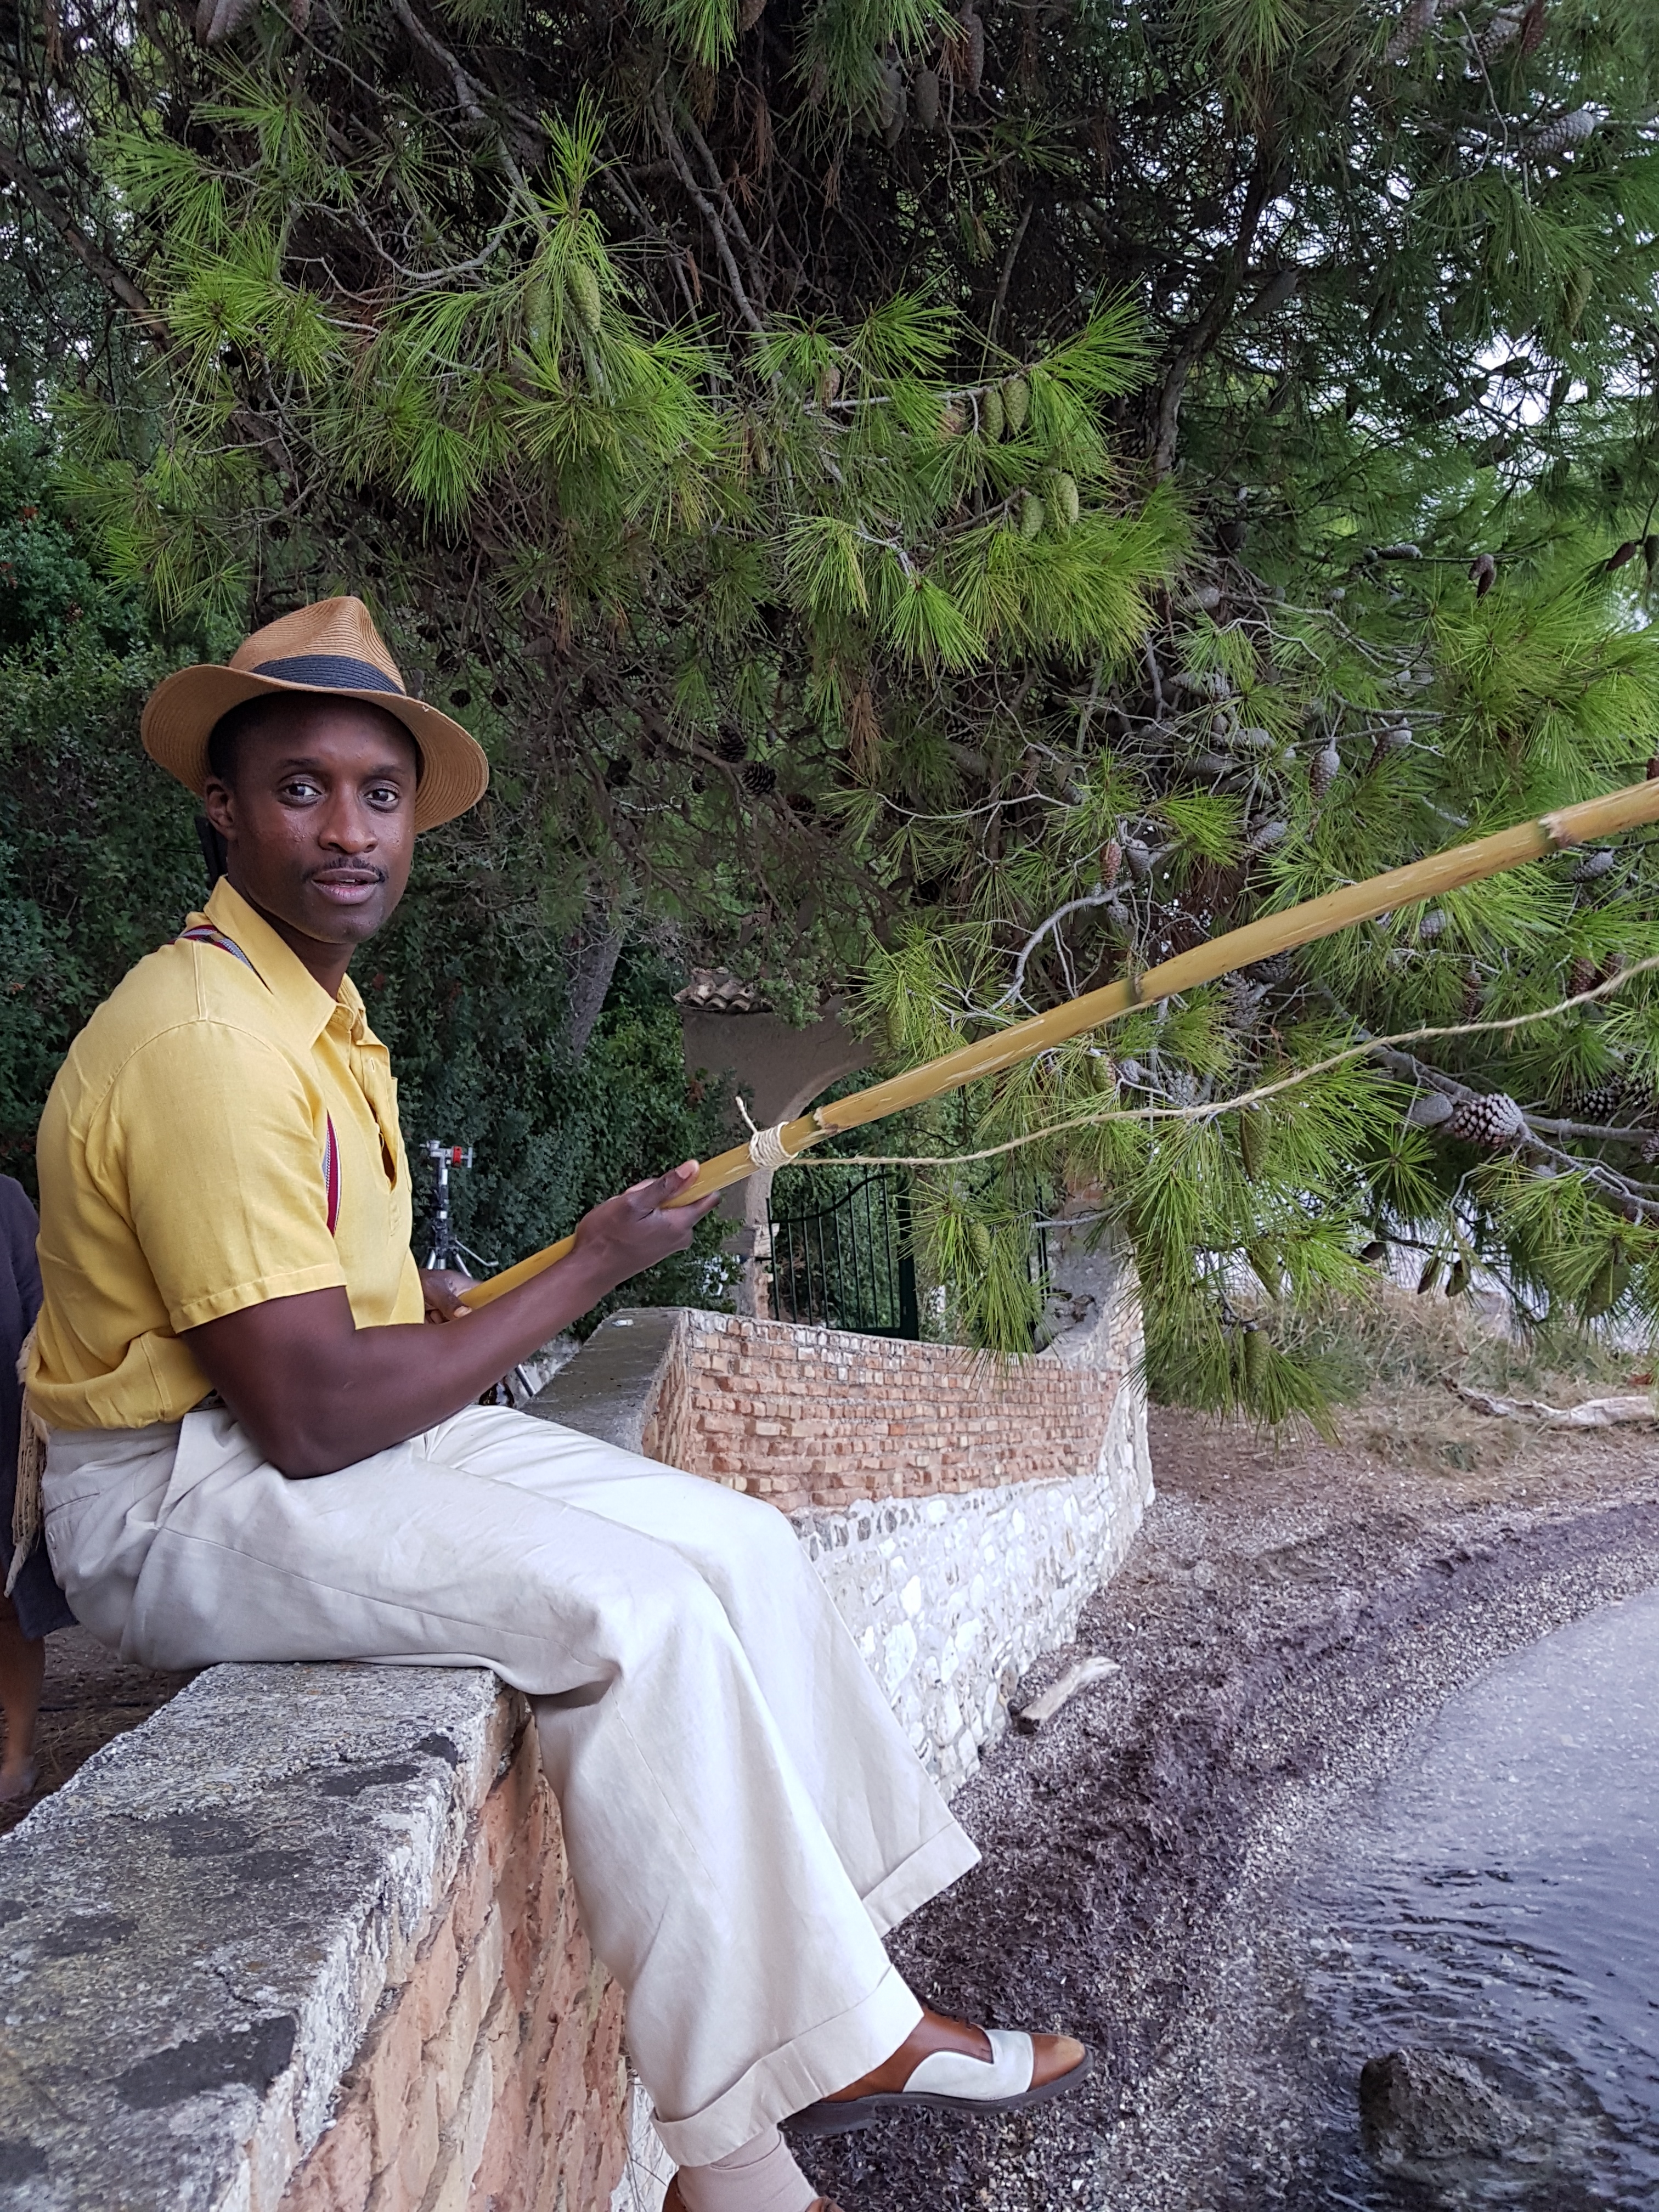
222	1131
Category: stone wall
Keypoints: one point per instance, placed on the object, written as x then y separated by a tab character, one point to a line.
953	1596
306	1941
491	2076
960	1512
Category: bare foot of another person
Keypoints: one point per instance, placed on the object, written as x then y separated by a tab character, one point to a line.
22	1667
948	2065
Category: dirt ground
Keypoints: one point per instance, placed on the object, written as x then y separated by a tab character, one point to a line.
1285	1621
90	1696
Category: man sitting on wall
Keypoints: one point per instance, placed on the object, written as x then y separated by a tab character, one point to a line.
255	1451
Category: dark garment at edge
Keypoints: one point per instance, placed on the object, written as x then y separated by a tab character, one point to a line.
41	1606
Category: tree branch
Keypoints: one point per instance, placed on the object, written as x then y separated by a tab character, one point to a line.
705	208
1266	181
1008	274
1072	906
1621	1194
468	91
757	275
92	257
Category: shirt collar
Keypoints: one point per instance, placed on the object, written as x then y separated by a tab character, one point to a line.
291	983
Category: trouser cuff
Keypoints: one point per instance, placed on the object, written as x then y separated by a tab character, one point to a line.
816	2064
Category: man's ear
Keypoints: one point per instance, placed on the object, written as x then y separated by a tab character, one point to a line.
219	805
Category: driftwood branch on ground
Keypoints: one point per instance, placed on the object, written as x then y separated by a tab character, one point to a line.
1594	1413
1077	1677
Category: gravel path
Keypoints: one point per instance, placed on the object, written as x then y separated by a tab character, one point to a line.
1283	1625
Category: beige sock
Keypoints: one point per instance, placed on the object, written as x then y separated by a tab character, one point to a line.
761	2176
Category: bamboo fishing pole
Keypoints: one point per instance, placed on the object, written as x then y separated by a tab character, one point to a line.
1206	963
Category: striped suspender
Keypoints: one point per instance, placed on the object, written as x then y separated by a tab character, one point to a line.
331	1174
203	932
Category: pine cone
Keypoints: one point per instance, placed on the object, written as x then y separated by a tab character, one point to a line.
758	780
1502	31
1323	770
1581	977
1417	19
582	287
973	64
928	98
1602	1102
1489	1121
1617	1101
730	745
1553	138
219	20
1483	574
1396	740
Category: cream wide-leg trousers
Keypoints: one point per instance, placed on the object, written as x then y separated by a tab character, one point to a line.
743	1817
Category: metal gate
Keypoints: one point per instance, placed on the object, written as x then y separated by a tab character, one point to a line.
849	1264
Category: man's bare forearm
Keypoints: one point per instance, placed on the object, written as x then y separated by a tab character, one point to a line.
316	1393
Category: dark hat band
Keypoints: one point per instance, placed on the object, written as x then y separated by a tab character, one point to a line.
335	672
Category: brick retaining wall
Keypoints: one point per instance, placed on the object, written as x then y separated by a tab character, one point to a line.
491	2080
818	1417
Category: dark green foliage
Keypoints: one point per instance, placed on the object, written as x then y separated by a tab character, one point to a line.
98	859
99	864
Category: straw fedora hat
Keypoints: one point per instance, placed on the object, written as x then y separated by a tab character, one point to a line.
331	648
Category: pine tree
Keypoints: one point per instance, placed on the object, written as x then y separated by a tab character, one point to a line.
968	502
